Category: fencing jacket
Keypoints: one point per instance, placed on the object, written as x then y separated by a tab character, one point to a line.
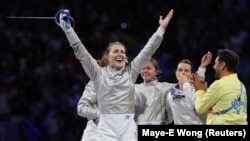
114	88
182	104
151	107
87	105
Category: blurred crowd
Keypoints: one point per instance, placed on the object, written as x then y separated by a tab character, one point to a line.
41	81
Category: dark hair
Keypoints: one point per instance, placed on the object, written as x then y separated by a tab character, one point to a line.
157	67
230	58
186	61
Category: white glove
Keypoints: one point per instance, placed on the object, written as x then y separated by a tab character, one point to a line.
64	20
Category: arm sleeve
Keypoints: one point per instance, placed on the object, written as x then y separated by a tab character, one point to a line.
167	88
147	52
201	72
170	118
189	92
87	105
206	99
88	63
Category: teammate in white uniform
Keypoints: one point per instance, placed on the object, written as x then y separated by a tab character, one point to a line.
181	98
150	97
87	107
152	107
114	84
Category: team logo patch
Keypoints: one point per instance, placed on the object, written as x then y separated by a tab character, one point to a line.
127	116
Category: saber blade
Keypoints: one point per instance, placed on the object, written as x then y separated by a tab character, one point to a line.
40	18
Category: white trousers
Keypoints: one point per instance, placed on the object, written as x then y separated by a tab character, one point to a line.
116	127
89	133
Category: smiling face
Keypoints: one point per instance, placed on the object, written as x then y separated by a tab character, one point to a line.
116	55
149	71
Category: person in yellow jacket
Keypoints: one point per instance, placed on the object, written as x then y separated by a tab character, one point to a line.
226	99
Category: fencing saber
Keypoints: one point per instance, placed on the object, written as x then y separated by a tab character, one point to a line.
56	17
38	18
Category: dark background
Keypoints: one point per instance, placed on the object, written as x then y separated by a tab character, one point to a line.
41	81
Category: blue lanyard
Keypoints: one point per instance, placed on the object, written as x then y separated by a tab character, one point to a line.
235	104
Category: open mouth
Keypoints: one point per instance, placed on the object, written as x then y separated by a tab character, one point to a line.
145	75
119	60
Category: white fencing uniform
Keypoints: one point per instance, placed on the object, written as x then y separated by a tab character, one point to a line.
151	107
115	88
182	104
87	107
89	133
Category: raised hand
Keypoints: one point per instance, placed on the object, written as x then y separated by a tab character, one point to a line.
63	19
198	83
164	22
206	59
